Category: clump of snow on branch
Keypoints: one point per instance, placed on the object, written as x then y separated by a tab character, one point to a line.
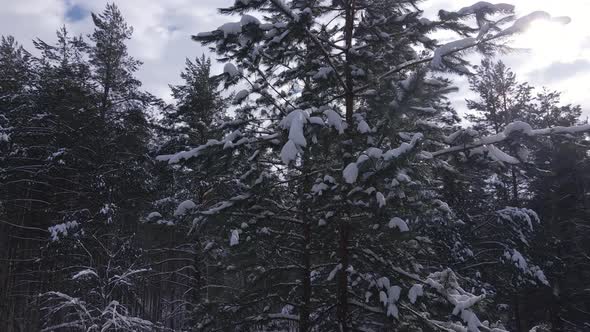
234	28
295	123
87	273
184	207
482	6
501	156
389	296
61	229
446	284
380	199
240	96
154	216
403	148
234	238
362	125
501	137
335	120
414	292
351	171
514	215
448	48
515	257
231	28
323	73
231	70
398	223
518	126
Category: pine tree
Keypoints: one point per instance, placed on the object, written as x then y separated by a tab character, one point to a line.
335	190
16	88
322	228
122	108
504	224
102	143
503	99
558	195
199	108
198	102
113	67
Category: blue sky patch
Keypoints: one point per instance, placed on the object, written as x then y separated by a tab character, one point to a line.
76	12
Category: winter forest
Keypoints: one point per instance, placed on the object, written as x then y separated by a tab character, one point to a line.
322	181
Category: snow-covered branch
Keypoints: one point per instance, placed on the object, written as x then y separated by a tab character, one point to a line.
524	128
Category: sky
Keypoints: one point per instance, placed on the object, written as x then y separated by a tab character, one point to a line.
557	57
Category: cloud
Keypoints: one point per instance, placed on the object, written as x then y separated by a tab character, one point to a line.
161	38
27	20
162	31
559	71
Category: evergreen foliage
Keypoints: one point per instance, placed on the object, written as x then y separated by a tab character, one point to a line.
322	182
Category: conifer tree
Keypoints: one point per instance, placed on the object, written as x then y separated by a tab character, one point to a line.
198	110
505	224
104	153
560	198
198	102
112	66
334	190
324	259
16	88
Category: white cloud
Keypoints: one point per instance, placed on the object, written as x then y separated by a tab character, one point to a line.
26	20
161	38
162	31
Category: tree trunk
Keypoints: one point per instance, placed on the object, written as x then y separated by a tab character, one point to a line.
305	307
343	277
342	293
515	198
304	321
517	314
195	295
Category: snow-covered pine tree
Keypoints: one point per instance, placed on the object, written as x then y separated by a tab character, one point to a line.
113	67
122	107
186	260
501	98
43	170
198	103
333	194
558	185
97	167
16	109
502	230
560	198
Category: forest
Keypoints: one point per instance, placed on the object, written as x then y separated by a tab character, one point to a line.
323	181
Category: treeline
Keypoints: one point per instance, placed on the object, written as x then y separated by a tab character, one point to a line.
336	190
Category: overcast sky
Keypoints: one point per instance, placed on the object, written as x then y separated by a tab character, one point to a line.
559	56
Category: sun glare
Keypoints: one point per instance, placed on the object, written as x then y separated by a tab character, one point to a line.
549	42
